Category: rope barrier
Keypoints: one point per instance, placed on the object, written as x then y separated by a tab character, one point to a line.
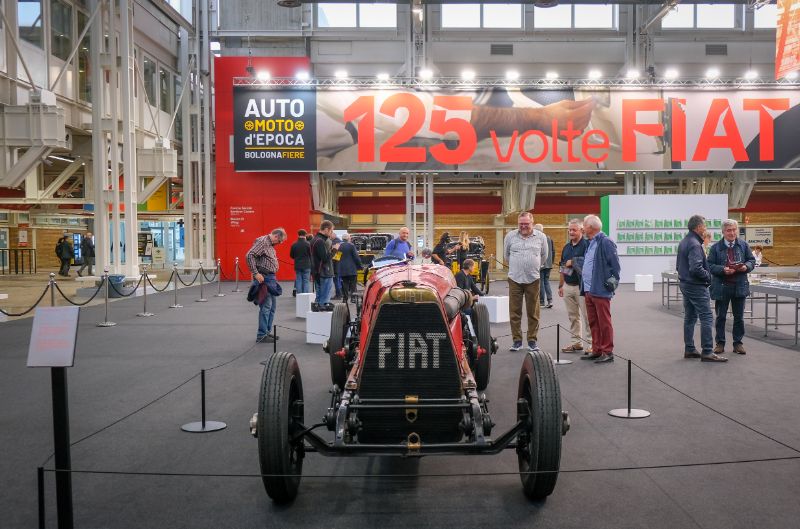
213	277
15	314
132	292
81	304
431	474
193	280
301	331
169	280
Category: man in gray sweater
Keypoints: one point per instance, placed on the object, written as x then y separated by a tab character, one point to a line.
524	249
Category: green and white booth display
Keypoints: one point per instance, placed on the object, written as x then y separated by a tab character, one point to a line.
648	228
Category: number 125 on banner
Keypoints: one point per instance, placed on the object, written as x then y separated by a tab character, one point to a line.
363	111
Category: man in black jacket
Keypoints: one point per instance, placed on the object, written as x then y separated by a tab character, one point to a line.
465	280
349	265
695	277
322	263
300	252
87	253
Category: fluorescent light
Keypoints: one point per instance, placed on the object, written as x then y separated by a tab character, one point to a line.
750	75
54	157
263	75
671	73
512	75
303	75
551	75
595	74
426	73
383	76
633	73
791	76
340	74
712	73
468	75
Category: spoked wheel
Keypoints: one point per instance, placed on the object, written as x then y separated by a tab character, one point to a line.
539	446
280	410
482	367
340	320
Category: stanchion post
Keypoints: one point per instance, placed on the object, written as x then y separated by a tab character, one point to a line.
559	361
40	495
275	339
200	274
219	293
175	279
203	426
628	413
144	313
63	460
236	274
52	289
105	322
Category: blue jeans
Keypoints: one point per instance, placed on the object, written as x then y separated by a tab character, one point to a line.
737	307
302	281
266	315
697	305
545	292
324	288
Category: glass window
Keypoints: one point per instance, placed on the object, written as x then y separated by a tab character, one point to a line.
679	17
502	15
84	65
765	17
716	16
149	79
377	15
60	29
559	16
336	15
594	16
461	15
164	87
29	20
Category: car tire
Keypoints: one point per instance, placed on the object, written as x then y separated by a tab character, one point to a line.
340	320
483	363
539	446
280	459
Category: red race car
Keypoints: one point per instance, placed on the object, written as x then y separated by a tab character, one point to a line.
407	373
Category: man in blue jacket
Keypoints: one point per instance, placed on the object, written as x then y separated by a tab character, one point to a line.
599	279
695	277
349	265
730	260
400	247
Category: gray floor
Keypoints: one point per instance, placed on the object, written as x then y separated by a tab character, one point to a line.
122	368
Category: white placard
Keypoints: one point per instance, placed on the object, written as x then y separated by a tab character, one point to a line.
760	236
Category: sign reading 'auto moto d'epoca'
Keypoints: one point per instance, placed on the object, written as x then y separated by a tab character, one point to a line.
274	130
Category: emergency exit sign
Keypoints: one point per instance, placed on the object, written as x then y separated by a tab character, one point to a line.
762	236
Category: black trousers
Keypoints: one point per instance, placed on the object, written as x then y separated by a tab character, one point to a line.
737	307
348	287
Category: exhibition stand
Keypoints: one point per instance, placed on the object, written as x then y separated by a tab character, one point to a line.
303	304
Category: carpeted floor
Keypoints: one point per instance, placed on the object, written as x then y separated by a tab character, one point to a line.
122	368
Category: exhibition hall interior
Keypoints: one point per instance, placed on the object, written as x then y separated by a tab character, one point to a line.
413	263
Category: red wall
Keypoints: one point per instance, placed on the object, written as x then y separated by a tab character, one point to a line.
265	200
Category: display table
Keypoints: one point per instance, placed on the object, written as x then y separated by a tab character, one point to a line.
318	326
776	292
303	304
498	308
643	283
670	280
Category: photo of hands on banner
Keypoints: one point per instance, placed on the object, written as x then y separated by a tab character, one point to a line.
517	130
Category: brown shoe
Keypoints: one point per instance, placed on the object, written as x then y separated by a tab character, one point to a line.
719	348
713	357
572	349
691	354
739	349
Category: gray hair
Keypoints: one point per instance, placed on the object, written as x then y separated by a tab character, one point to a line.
729	222
280	233
345	236
575	221
538	227
526	214
695	221
593	221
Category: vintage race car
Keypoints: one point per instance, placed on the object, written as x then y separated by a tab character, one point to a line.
407	376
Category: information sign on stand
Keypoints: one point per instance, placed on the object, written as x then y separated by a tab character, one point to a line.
53	339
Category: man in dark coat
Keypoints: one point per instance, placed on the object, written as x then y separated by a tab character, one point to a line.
300	252
64	252
87	253
465	280
349	265
695	277
730	260
322	263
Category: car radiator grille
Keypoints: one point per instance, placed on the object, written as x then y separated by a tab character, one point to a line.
410	353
